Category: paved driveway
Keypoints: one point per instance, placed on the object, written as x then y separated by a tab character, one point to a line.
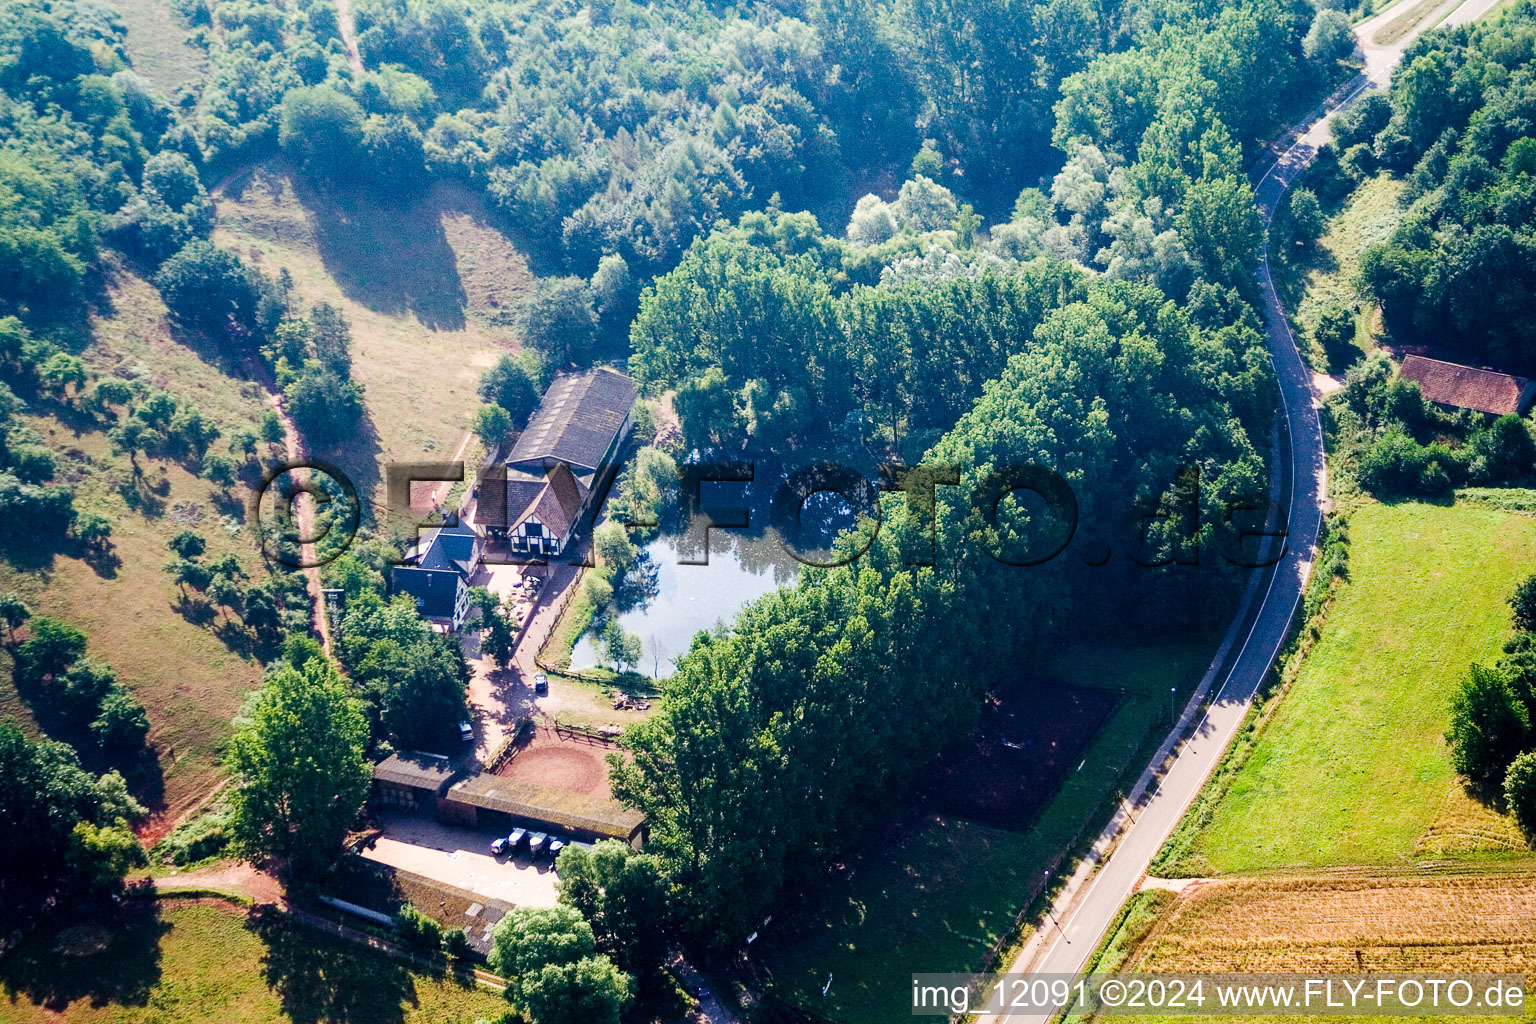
461	857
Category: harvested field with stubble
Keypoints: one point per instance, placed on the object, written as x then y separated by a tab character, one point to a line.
1477	924
1452	922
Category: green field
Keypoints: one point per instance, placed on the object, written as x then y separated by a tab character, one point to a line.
428	287
158	45
1353	769
943	891
205	961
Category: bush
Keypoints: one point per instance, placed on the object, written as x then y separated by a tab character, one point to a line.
199	838
1520	792
456	943
1397	464
325	407
513	384
1502	453
323	130
1489	726
1523	603
208	287
122	721
417	929
558	320
1329	38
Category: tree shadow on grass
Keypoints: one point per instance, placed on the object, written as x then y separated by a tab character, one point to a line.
107	960
392	259
140	766
319	978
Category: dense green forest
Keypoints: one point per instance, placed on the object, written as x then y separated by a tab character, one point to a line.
784	735
1458	125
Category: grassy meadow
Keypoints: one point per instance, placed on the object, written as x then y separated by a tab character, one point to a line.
158	47
1353	768
188	678
937	893
429	289
192	961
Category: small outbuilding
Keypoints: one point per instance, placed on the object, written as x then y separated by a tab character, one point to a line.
1457	386
411	781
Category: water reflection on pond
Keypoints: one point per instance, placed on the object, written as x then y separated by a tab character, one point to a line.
665	604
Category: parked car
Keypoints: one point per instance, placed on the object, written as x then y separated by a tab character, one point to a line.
540	684
466	732
555	846
499	846
515	839
536	842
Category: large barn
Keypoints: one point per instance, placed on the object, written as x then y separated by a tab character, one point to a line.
536	498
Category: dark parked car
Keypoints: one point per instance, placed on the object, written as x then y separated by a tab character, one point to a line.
540	684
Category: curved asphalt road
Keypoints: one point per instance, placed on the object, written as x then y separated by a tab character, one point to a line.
1112	871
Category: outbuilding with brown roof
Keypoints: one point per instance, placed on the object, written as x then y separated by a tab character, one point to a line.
1468	387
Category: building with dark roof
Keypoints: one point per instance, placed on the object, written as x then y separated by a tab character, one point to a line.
411	780
1467	387
536	497
436	573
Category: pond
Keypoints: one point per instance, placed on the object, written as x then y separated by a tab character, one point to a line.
665	604
665	600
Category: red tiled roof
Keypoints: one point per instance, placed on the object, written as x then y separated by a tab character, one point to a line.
1466	387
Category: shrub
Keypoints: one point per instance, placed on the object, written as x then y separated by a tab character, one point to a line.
1329	38
1520	792
323	130
199	838
122	721
1523	603
456	943
208	287
417	929
1489	726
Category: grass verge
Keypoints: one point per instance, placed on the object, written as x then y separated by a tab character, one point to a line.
1309	281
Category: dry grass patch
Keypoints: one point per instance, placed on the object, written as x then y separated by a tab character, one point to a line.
427	287
190	681
158	46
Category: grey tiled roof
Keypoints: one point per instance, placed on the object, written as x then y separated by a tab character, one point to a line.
578	420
